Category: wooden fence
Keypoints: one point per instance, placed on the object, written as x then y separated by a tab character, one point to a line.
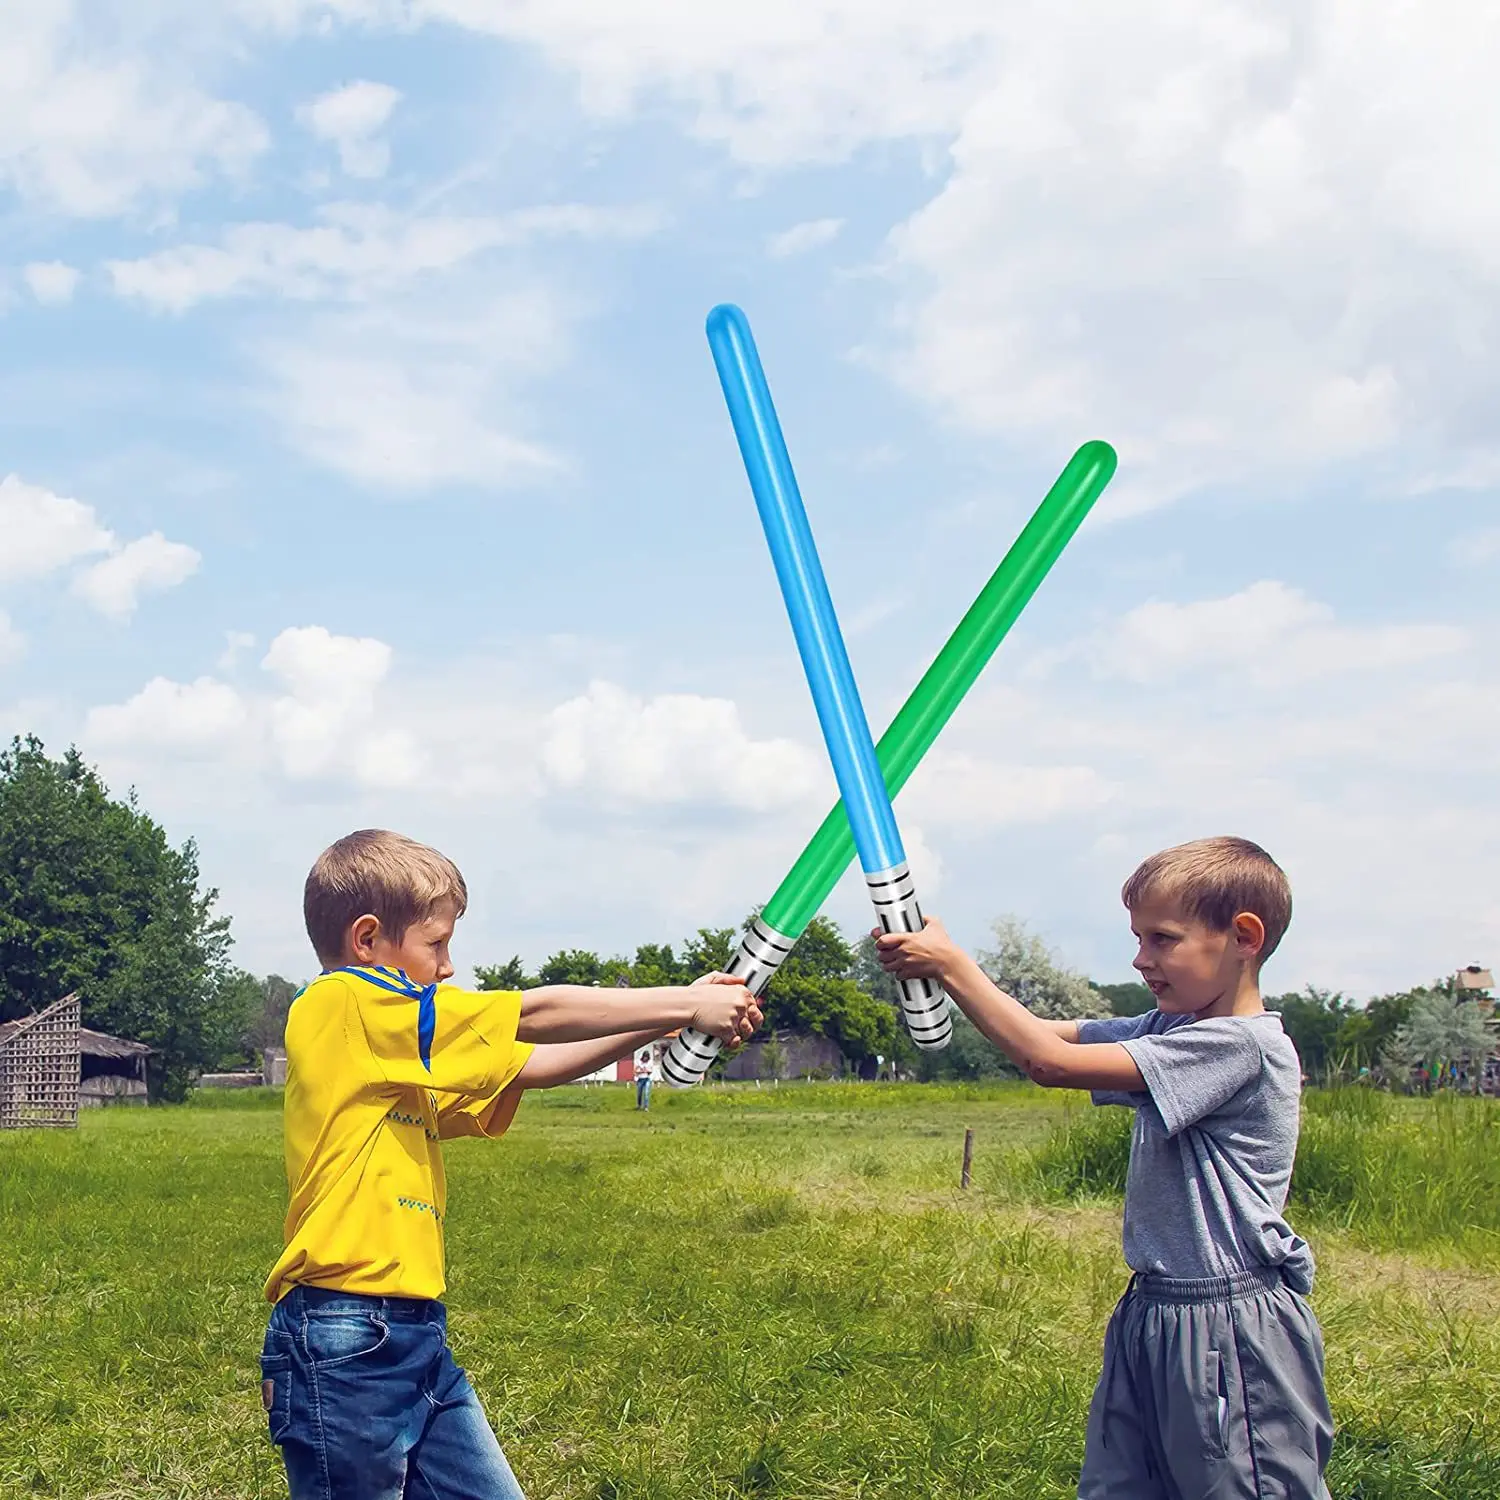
39	1068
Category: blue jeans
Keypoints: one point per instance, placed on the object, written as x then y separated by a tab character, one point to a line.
366	1403
643	1093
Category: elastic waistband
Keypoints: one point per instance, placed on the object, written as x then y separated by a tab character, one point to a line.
314	1300
1229	1288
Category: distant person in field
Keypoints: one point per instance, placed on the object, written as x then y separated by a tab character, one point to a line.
384	1061
1213	1361
643	1080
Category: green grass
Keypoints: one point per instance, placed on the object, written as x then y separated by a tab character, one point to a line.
774	1292
1390	1173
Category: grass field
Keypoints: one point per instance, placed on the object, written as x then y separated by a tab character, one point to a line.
745	1293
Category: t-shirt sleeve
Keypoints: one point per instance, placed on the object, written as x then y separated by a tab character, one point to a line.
1116	1028
473	1049
1191	1071
492	1116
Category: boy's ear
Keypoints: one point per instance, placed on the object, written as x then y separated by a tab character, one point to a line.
1249	934
363	932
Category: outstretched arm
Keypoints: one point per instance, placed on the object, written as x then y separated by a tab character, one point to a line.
721	1007
562	1062
1049	1052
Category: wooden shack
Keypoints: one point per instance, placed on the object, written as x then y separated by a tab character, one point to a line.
51	1067
111	1070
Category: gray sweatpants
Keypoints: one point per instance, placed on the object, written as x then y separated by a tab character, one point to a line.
1211	1390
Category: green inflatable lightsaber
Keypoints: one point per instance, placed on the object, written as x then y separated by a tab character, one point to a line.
954	671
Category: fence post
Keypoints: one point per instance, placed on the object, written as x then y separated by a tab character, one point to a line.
968	1155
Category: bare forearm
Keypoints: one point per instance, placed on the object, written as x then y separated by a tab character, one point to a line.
557	1013
1032	1043
562	1062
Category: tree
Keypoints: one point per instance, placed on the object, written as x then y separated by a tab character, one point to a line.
1367	1033
1315	1020
710	949
814	991
268	1026
870	977
510	975
93	898
657	964
1441	1029
1023	966
1130	999
968	1056
572	966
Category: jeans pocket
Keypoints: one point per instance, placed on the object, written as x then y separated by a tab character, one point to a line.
336	1341
276	1393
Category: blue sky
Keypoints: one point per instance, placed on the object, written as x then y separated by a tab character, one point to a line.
362	461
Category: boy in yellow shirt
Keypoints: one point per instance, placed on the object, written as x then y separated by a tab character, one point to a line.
384	1061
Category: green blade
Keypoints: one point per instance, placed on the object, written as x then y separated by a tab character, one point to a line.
811	880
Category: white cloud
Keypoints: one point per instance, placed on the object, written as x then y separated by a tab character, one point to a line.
801	238
1368	786
1269	631
424	375
779	83
400	425
676	748
350	118
43	532
333	712
1039	800
322	720
91	130
51	281
406	397
325	722
1217	236
146	565
190	717
1239	241
236	643
358	251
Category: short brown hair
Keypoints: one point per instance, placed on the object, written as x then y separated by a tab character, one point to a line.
1215	880
384	874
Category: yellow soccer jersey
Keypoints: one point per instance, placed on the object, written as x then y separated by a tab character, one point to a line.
379	1071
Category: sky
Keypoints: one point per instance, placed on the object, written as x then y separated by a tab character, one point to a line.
362	461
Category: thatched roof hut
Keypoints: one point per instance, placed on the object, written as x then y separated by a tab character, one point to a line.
111	1070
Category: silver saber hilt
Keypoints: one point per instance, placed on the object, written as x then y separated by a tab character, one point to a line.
761	952
924	1003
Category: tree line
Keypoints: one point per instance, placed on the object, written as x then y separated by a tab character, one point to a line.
94	898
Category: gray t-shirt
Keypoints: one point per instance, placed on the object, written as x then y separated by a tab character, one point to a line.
1215	1136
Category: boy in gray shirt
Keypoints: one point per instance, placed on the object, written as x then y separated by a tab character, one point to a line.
1212	1387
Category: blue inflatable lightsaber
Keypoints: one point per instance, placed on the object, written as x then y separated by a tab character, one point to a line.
820	644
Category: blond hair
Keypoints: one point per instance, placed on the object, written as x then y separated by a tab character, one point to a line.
385	875
1214	880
